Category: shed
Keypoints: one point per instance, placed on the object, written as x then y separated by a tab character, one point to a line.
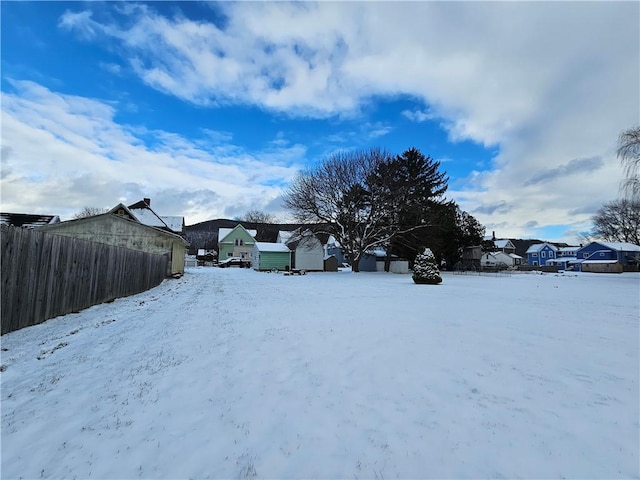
271	256
602	266
308	253
331	264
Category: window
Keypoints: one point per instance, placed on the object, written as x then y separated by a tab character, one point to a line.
602	254
534	254
585	255
241	242
535	264
542	254
229	254
550	254
236	242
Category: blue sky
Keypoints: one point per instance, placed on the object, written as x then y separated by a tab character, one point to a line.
210	109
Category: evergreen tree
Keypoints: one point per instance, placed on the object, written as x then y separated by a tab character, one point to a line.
425	269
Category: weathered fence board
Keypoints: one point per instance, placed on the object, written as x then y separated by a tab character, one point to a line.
46	275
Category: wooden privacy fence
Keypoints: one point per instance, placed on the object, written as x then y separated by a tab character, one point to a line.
46	275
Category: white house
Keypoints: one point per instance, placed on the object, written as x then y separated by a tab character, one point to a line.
496	260
505	245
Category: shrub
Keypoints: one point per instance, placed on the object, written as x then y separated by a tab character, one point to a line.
425	269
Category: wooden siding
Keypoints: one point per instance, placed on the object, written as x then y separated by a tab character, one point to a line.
45	275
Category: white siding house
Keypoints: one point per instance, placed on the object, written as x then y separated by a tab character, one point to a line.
496	259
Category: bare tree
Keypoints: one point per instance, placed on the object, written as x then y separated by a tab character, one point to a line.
618	221
336	194
256	216
629	155
90	212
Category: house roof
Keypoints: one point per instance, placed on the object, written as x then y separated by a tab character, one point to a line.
536	247
297	236
513	255
284	235
27	220
620	246
569	249
224	232
271	247
503	243
559	260
147	216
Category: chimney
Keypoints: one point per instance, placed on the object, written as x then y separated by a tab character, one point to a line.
147	201
493	235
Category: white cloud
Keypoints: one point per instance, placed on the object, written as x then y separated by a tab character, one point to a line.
544	83
62	152
419	115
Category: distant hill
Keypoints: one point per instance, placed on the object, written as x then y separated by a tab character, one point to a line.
205	234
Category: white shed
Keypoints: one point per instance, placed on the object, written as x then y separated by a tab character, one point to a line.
308	252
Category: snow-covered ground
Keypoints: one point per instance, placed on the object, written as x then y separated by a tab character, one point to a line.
229	373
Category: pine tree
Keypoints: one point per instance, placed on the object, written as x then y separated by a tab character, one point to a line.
425	270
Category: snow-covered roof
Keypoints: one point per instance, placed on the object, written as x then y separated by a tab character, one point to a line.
621	246
377	252
502	243
565	259
271	247
174	223
569	249
513	255
223	232
284	235
600	261
146	216
332	242
539	246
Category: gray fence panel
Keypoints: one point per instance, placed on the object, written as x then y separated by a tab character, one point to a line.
46	275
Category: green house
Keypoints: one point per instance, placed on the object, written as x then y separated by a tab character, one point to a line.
271	256
236	242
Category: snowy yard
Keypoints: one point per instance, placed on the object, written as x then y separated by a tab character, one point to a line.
229	373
